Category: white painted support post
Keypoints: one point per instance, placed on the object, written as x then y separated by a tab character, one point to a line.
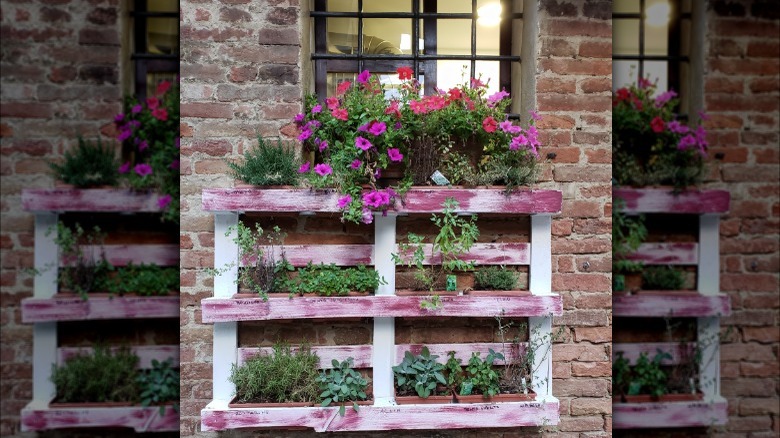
44	286
708	276
225	333
540	283
383	357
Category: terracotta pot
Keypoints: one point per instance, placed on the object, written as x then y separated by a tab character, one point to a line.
431	400
250	186
647	398
91	404
234	404
425	293
500	398
285	295
499	293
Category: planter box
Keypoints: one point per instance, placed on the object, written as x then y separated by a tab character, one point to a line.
98	306
234	404
499	293
138	418
500	398
647	398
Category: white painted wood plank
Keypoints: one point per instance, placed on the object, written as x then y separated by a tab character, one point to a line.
225	332
654	200
540	271
670	414
44	287
384	328
667	254
669	303
137	418
99	307
90	200
145	353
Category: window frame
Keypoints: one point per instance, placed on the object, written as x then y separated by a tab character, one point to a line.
144	62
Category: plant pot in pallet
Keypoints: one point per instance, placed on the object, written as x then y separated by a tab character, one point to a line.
417	400
57	404
234	404
500	398
425	293
499	293
647	398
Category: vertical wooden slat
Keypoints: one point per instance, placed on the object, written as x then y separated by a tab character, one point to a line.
225	333
44	286
383	358
708	276
540	281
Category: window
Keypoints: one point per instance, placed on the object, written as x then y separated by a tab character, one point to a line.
445	42
155	43
651	38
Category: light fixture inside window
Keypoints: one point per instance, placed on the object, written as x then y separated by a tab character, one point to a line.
657	14
489	15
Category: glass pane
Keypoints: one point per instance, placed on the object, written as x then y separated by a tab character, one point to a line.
625	37
625	6
154	78
657	40
452	73
385	36
334	79
385	6
489	71
454	6
454	37
342	35
489	13
162	36
624	73
488	26
657	70
342	5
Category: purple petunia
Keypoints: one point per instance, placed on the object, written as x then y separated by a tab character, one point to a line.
363	76
377	128
143	169
664	97
518	141
142	145
316	108
376	198
119	118
686	142
362	144
495	97
124	134
137	108
323	169
164	201
304	167
305	134
344	201
394	154
368	217
677	127
125	167
508	127
355	164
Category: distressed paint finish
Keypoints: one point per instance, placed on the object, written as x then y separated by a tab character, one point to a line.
679	352
416	200
669	414
137	418
664	201
90	200
669	303
121	255
403	417
98	307
354	254
255	309
667	254
145	353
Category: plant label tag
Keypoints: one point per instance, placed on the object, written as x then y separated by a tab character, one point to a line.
439	179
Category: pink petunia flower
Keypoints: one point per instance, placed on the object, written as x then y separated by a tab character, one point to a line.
304	135
356	164
143	169
152	102
377	128
489	124
333	103
124	168
344	201
405	73
119	118
686	142
664	97
363	77
160	114
174	164
518	141
304	167
376	198
657	124
316	109
124	134
343	87
535	116
508	127
677	127
496	97
340	114
394	154
368	217
362	144
164	201
323	169
162	87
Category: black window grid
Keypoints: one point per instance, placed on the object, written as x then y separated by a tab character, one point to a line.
144	61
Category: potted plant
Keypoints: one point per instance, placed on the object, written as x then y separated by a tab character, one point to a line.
628	232
160	385
657	278
90	165
284	378
102	378
343	385
646	380
495	281
331	280
420	380
268	164
85	271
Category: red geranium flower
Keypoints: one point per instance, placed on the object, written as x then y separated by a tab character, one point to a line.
489	124
405	73
657	124
343	87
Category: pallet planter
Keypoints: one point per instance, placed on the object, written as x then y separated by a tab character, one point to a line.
224	309
706	304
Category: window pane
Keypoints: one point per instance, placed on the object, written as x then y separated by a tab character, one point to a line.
624	73
658	70
489	71
452	73
625	37
384	35
342	35
454	6
162	36
342	5
454	37
386	6
625	6
488	26
154	79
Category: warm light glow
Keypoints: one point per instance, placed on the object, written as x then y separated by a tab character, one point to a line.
657	15
489	15
406	43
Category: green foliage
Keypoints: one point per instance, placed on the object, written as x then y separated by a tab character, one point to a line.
280	377
481	378
495	278
509	168
621	375
420	374
91	164
342	384
159	385
102	376
628	232
647	376
330	280
145	280
454	371
87	272
268	164
662	278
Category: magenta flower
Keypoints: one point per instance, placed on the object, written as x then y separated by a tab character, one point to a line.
125	167
321	144
495	97
137	108
164	201
119	118
677	127
664	97
394	154
299	119
368	217
316	108
362	144
174	164
535	116
124	134
518	141
356	164
143	169
686	142
344	201
305	134
364	127
304	167
377	128
142	146
363	76
323	169
376	198
508	127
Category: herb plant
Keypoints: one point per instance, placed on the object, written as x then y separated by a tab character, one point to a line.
628	232
420	374
102	376
481	378
145	280
647	377
86	270
454	371
621	375
662	278
494	278
330	280
341	385
268	164
281	377
91	164
159	385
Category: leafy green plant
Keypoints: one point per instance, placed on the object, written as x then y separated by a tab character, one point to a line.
268	164
102	376
481	378
495	278
507	168
145	280
280	377
647	376
330	280
341	385
86	271
160	384
662	278
621	375
90	164
419	373
628	232
454	371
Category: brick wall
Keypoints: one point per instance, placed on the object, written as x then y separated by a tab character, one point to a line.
244	66
60	70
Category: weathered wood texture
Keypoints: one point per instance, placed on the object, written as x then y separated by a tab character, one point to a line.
255	309
137	418
450	416
416	200
91	200
121	255
670	303
145	353
667	254
680	352
98	307
664	201
669	414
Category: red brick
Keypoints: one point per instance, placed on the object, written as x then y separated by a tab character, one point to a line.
558	47
202	15
243	74
581	424
211	167
766	156
580	387
188	33
570	173
207	110
552	121
555	85
553	103
581	66
591	406
593	334
561	27
279	36
26	110
203	73
746	27
718	102
581	283
596	85
761	334
234	15
596	49
764	85
763	49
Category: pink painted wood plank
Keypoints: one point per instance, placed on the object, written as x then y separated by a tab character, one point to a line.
670	303
417	200
631	351
361	354
255	309
145	354
404	417
462	351
98	307
137	418
669	414
121	255
96	200
667	254
354	254
663	201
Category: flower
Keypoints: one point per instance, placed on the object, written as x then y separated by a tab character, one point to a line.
333	103
623	94
393	109
489	124
164	201
676	127
644	83
137	108
299	118
344	201
304	167
124	168
686	142
343	87
508	127
152	103
495	97
124	133
316	109
377	128
162	87
535	116
418	107
363	77
664	97
518	141
362	144
340	114
405	73
477	83
367	216
305	134
321	144
356	164
143	169
323	169
657	124
119	118
376	198
160	114
174	164
394	154
143	144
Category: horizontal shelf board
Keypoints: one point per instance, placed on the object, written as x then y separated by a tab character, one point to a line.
681	353
255	309
362	354
659	200
450	416
667	254
98	307
417	200
354	254
669	414
137	418
90	200
145	353
671	303
121	255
